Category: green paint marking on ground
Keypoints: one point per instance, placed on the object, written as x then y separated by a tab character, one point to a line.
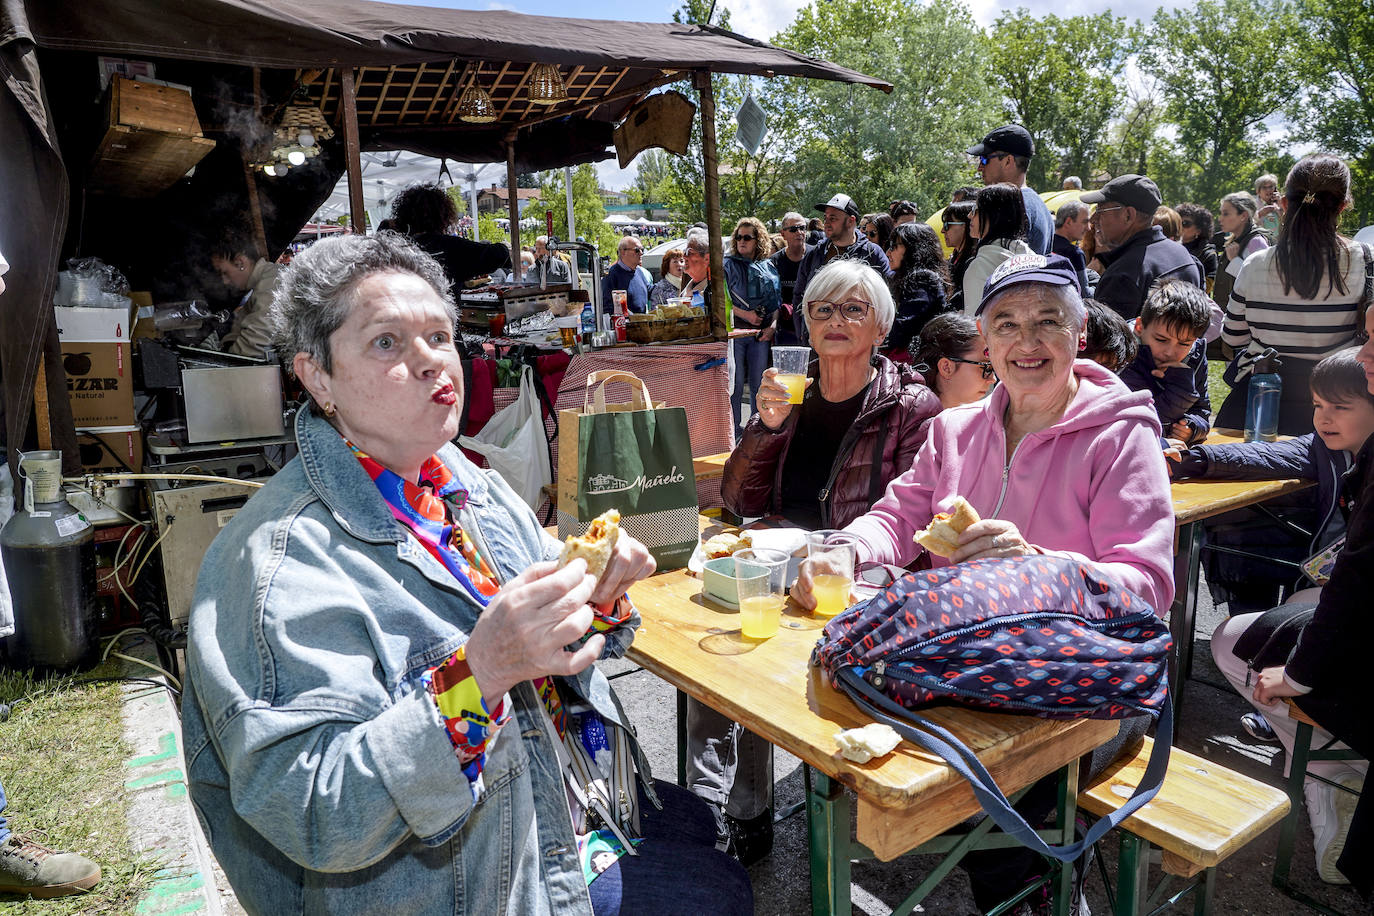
167	749
155	779
173	885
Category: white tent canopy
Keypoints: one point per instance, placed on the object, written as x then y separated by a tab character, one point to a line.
617	219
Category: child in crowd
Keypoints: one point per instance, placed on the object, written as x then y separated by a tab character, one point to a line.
1171	363
1343	417
1111	341
1309	630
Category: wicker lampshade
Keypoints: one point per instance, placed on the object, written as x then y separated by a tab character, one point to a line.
475	105
546	85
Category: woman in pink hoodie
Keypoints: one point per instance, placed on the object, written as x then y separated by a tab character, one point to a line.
1061	458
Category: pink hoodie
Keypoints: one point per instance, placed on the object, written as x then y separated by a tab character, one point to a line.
1092	487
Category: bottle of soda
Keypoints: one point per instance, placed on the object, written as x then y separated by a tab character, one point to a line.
620	311
1262	399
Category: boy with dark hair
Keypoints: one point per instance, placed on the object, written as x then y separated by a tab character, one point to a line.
1171	363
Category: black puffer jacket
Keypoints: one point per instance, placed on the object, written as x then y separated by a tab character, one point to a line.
880	445
919	297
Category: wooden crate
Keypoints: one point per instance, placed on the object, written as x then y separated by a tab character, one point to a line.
132	162
152	107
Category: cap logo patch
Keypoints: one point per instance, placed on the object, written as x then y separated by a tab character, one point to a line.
1017	263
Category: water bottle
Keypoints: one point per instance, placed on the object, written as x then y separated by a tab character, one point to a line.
588	320
1262	400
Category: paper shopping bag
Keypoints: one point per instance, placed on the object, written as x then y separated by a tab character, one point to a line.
635	458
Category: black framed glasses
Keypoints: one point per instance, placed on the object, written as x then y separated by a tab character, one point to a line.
793	228
850	309
744	238
985	366
872	234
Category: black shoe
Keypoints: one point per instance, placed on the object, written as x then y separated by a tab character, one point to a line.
750	840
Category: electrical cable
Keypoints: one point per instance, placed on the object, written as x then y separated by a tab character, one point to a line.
100	499
149	553
211	478
162	671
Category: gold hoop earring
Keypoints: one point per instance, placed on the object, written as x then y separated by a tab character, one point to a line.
329	409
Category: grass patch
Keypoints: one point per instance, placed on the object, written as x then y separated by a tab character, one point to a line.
62	756
1217	390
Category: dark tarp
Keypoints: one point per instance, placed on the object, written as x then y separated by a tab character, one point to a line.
51	106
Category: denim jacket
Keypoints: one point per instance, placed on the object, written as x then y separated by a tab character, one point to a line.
319	770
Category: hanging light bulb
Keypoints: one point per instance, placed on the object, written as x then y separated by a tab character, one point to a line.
296	157
306	138
546	85
475	106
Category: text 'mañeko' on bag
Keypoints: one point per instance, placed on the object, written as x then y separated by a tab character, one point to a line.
1041	636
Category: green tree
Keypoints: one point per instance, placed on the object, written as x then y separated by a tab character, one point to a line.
1225	66
1336	61
589	211
1060	78
653	179
875	146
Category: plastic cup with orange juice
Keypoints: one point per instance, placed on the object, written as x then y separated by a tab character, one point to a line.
831	555
791	365
761	598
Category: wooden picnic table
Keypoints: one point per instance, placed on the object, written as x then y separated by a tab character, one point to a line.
1195	501
905	799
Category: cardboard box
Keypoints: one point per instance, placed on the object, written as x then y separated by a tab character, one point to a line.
97	359
110	449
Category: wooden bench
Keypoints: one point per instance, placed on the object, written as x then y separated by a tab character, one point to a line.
1202	814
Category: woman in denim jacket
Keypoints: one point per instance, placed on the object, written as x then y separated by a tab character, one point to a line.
386	673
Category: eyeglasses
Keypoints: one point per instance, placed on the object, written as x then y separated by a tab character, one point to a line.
851	309
1100	210
984	160
744	238
872	234
635	250
985	366
793	228
955	222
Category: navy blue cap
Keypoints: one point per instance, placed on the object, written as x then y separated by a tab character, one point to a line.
1054	270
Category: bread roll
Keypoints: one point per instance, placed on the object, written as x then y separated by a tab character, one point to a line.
596	546
941	536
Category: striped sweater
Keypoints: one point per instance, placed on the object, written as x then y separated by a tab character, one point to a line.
1308	329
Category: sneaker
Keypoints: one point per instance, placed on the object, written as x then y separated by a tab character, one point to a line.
28	868
749	840
1331	812
1258	727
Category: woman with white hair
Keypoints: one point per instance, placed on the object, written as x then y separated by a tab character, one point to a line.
820	465
825	462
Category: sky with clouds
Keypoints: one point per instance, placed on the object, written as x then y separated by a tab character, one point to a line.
762	19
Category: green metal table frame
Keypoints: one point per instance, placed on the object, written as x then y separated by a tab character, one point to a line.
1134	897
1304	753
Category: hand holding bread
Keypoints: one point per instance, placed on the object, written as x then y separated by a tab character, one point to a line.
960	535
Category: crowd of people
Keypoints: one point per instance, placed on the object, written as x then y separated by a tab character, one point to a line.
393	700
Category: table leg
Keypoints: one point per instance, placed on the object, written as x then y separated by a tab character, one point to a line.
1183	612
681	738
827	817
1065	889
1288	834
1132	874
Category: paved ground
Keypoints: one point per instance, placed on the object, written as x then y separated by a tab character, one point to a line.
781	881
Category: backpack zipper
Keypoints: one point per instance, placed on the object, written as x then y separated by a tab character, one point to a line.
965	631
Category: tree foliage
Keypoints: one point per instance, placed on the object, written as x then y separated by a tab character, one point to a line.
589	211
1225	67
1060	78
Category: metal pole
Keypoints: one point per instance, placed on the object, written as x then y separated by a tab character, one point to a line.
719	312
513	200
353	156
472	200
572	230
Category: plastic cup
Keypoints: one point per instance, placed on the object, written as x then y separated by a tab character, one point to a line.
831	555
791	365
761	597
618	298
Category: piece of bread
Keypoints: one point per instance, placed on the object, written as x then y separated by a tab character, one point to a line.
596	546
863	744
941	536
724	545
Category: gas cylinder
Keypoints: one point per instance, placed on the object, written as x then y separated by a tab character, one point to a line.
49	553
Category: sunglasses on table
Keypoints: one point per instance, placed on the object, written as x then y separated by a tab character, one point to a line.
985	366
850	309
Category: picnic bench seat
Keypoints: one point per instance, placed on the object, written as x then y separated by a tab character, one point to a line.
1203	813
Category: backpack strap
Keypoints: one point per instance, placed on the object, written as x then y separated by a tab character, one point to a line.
937	740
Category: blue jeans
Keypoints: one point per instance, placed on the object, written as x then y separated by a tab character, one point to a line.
752	356
678	869
4	827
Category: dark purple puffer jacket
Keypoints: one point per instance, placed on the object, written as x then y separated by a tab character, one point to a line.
880	445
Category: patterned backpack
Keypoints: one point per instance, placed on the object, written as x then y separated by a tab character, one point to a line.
1042	636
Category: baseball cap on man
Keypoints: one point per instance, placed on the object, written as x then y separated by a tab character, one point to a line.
841	202
1009	138
1053	270
1129	191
